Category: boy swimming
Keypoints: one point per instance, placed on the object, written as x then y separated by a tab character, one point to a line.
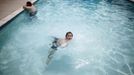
59	42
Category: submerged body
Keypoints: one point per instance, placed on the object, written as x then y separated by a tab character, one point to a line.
59	42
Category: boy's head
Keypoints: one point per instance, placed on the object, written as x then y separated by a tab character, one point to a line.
69	35
28	3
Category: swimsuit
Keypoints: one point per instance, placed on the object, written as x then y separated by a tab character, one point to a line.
55	44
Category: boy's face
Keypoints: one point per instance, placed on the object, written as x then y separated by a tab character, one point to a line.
69	36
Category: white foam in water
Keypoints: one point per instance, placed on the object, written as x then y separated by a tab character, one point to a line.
102	42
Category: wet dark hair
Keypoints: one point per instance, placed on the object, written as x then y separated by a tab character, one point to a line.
29	3
69	33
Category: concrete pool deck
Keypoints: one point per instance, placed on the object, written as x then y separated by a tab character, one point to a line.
10	8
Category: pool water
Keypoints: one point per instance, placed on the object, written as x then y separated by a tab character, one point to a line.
103	42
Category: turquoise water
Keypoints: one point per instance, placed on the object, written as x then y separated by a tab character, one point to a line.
102	44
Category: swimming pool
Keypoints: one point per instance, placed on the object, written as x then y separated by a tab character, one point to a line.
102	44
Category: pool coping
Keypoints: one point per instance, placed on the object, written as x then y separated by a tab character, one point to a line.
12	15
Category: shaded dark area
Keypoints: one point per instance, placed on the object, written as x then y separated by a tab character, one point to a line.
3	26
